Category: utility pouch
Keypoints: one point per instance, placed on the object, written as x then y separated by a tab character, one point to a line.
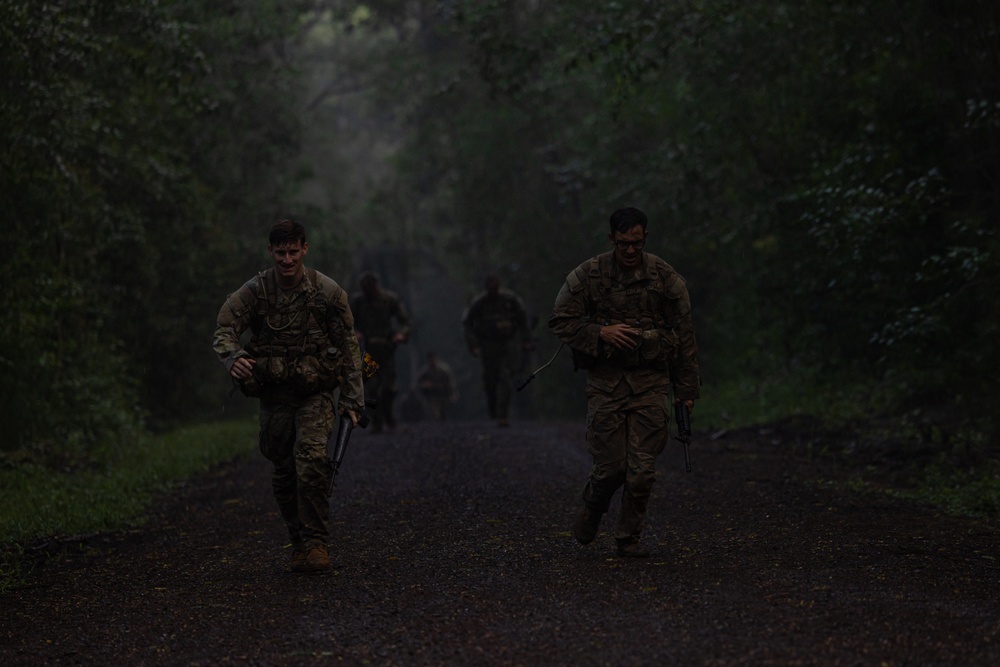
270	370
251	387
650	348
267	371
312	374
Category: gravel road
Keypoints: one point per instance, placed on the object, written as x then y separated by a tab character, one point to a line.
451	546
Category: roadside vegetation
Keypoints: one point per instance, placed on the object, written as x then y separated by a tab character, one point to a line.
75	499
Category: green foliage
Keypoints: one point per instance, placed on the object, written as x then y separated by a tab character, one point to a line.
139	139
965	492
114	490
819	172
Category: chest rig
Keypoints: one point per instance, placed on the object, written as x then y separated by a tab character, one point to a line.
641	303
291	339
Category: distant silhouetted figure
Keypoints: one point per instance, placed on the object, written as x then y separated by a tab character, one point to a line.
382	323
437	387
496	330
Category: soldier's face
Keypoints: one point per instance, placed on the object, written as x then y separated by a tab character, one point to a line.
288	261
628	246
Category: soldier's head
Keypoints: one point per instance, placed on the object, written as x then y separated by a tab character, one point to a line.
287	247
492	283
369	283
286	232
628	236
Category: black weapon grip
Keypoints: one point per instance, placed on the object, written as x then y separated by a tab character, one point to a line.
683	416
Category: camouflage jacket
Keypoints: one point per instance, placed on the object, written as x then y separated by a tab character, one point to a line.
379	319
654	299
312	321
495	319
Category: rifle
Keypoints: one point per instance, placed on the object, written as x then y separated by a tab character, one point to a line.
369	368
683	416
524	383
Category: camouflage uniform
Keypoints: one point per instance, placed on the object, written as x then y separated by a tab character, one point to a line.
497	325
628	403
373	317
304	347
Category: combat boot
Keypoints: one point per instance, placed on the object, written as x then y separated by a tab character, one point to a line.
587	523
298	558
317	559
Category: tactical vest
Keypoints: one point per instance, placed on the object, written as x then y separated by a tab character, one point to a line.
293	345
652	297
659	341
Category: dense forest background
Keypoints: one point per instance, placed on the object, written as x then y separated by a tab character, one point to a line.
824	174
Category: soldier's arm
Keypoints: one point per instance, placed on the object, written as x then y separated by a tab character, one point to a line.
469	326
233	319
570	319
352	393
402	316
684	372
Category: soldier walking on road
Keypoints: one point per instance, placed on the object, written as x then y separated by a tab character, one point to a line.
626	315
496	329
301	349
437	387
382	322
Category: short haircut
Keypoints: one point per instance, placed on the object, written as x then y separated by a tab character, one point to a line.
286	232
626	218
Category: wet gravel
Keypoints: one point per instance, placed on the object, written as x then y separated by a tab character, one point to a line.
451	546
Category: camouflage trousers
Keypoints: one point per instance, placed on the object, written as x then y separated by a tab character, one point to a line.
626	431
293	436
500	361
382	388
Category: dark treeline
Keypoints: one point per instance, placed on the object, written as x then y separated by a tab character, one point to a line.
139	140
823	173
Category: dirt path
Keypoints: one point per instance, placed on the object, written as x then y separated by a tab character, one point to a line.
451	547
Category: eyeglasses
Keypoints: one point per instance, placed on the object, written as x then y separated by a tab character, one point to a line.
625	245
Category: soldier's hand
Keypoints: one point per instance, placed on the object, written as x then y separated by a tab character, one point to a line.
353	415
688	403
621	336
242	368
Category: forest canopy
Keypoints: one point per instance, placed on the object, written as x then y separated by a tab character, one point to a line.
824	175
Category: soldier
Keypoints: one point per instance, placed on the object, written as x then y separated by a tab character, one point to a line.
301	349
437	387
381	322
626	316
496	329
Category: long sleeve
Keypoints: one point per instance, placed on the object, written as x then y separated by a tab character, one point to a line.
571	315
684	372
402	316
469	324
352	393
233	319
